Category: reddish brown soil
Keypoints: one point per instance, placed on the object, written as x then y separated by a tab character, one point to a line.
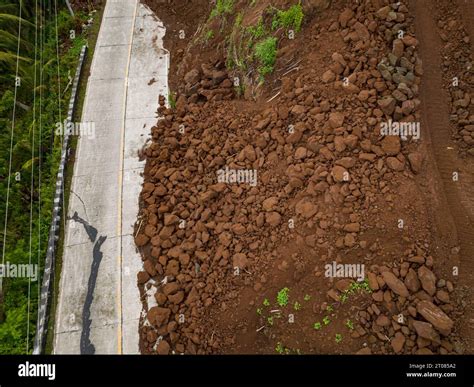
348	222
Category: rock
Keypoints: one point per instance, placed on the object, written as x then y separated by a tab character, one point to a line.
416	161
364	351
397	286
427	279
395	164
373	283
425	330
336	120
398	48
141	240
339	174
270	203
411	281
391	145
387	104
273	218
352	227
306	209
435	316
142	277
345	16
398	342
328	76
239	260
192	76
158	316
163	348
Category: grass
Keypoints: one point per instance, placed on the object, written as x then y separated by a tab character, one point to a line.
265	52
172	100
222	7
292	18
257	31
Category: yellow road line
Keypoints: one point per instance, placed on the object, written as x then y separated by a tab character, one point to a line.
120	181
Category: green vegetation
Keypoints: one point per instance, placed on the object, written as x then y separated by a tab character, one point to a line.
307	297
266	302
222	7
338	338
42	101
172	100
265	52
283	297
257	31
350	324
326	320
317	326
355	287
289	19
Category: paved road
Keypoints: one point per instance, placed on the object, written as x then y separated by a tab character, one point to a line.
99	306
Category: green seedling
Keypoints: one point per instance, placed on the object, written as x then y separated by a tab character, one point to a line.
338	338
326	320
270	321
266	302
279	348
317	326
350	324
329	308
297	305
259	311
283	297
307	297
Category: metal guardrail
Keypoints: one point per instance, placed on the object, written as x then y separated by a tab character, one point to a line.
48	275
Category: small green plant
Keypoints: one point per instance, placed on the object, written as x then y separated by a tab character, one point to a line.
329	308
266	52
266	302
343	298
317	326
350	324
172	100
279	348
338	338
291	18
209	35
259	311
222	7
257	31
283	297
307	297
270	321
326	320
297	305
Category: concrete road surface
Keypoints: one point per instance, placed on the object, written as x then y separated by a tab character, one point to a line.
99	306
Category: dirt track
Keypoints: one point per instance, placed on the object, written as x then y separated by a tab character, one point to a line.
455	214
